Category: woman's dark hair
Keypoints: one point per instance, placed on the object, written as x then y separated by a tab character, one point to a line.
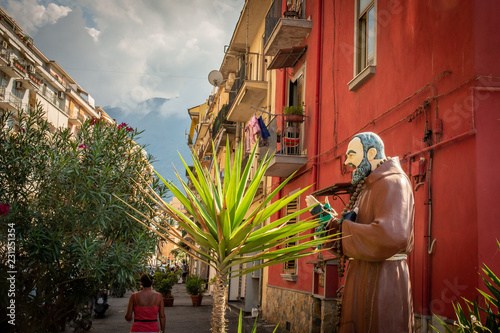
146	280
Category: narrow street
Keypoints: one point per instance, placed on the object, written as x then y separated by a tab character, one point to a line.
181	318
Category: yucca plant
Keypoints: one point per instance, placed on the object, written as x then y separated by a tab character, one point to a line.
469	319
219	220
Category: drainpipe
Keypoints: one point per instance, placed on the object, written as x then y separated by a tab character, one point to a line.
317	122
283	103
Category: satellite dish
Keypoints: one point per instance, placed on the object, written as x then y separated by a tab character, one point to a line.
215	78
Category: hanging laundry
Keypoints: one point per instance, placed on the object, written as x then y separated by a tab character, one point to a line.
254	128
264	132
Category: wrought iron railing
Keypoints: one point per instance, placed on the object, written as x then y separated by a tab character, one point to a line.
221	120
287	137
272	18
238	83
294	10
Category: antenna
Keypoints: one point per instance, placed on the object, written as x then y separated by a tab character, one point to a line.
215	78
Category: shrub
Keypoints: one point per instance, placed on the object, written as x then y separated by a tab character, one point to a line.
195	285
164	282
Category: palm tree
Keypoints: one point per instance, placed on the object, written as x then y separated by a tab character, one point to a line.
228	233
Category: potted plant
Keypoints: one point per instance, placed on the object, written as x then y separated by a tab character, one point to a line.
294	113
195	286
163	283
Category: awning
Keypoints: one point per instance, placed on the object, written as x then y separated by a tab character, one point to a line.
335	189
287	57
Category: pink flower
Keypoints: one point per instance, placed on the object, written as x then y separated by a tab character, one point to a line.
4	208
122	125
82	146
129	129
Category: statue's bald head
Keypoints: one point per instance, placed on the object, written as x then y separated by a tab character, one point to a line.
371	140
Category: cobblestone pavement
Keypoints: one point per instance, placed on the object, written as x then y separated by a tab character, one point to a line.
181	318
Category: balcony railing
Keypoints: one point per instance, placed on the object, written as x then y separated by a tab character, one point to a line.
273	16
249	88
52	98
5	55
9	101
294	10
222	122
76	117
285	29
36	78
287	140
21	67
238	83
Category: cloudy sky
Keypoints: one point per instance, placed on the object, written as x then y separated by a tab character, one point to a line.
123	52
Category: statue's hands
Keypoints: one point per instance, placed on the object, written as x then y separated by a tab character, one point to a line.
311	201
351	216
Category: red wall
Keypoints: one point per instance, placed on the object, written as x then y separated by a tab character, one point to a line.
426	51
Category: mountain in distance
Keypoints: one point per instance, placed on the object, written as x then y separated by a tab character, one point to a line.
164	136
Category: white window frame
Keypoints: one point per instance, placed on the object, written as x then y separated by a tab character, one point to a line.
363	71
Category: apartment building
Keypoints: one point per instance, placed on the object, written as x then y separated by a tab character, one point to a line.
425	77
28	77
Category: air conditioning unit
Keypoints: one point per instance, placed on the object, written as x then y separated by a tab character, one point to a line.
19	85
60	94
4	44
31	68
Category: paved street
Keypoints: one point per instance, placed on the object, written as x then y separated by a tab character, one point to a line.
181	318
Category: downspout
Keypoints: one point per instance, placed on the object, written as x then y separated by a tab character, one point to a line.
317	122
283	103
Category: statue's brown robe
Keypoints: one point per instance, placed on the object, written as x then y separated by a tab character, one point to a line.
377	293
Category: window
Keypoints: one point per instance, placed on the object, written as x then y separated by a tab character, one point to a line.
292	144
290	267
366	34
365	42
295	91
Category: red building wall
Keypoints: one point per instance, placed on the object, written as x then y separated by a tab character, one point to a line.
429	58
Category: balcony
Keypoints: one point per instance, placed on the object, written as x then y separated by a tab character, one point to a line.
52	97
203	125
287	31
33	81
247	90
221	123
5	56
76	119
288	146
14	70
9	101
44	73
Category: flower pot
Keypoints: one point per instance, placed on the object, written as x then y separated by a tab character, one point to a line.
294	118
168	301
196	300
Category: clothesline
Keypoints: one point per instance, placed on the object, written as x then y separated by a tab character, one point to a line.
269	113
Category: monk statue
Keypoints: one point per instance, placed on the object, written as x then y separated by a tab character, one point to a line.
377	236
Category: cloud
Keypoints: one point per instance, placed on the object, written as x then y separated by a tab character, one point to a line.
123	52
126	52
31	15
94	33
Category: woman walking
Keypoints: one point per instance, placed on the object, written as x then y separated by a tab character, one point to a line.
146	306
